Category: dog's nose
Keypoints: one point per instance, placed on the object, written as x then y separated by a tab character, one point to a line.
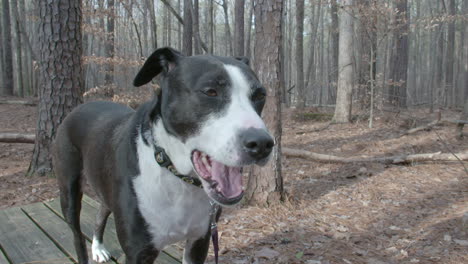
257	143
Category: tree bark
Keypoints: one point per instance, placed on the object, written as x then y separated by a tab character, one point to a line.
301	95
335	43
7	51
196	27
2	66
188	28
109	77
465	52
211	26
345	65
61	71
310	73
450	91
19	51
239	27
265	185
397	92
249	30
227	29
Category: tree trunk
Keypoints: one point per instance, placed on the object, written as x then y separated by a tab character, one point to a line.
19	47
465	52
154	27
109	78
301	95
314	22
179	26
188	28
397	92
210	26
249	29
196	27
2	66
239	27
227	29
265	185
335	44
7	51
450	93
61	71
345	65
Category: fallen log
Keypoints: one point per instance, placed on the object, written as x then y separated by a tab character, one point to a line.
20	102
17	138
423	127
401	159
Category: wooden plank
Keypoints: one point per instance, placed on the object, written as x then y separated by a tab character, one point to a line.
3	259
55	227
172	251
111	241
24	242
87	220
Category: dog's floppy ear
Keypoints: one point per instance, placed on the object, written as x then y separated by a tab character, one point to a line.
162	60
243	59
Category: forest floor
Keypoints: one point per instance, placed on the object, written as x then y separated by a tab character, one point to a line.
334	213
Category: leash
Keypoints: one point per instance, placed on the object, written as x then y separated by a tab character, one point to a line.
164	161
214	229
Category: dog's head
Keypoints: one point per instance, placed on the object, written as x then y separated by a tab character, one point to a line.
210	111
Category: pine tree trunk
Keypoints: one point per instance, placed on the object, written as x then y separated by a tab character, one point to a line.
188	28
179	26
210	26
61	73
2	66
109	78
249	30
345	65
227	29
465	52
239	27
397	92
19	51
301	95
335	44
310	74
196	27
449	83
7	51
265	185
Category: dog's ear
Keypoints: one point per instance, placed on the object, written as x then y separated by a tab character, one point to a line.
162	60
243	59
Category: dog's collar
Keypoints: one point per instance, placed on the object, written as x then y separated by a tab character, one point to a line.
164	161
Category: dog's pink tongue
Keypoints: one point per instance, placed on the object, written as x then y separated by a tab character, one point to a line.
229	179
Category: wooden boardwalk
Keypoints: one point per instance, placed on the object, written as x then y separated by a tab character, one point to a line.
37	234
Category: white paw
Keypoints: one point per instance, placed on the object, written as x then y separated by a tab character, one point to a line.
100	253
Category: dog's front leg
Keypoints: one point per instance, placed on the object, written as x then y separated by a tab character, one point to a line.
196	250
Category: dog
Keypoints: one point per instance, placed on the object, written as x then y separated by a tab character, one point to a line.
160	168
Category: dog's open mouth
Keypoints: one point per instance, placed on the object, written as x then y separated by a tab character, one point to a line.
224	183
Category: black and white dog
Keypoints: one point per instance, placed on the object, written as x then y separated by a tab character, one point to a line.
203	127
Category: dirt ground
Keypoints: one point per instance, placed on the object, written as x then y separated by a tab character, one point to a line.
334	213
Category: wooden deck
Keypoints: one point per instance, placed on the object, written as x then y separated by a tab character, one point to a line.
37	234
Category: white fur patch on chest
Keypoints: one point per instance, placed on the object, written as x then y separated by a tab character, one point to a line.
173	209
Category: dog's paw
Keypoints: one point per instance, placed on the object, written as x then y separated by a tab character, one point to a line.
100	253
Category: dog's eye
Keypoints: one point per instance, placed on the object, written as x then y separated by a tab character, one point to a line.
259	96
211	92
